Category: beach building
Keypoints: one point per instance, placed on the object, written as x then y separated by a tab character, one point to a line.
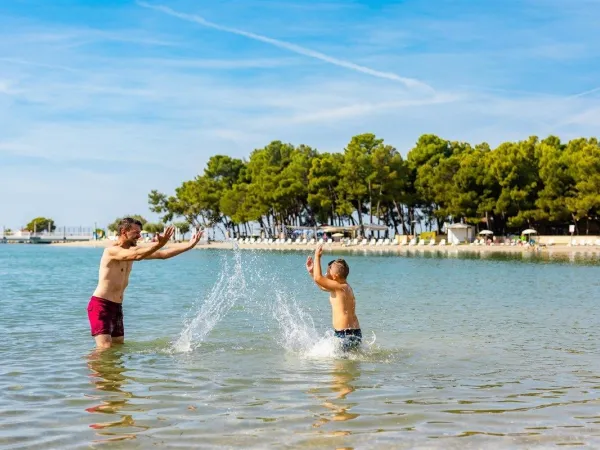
459	233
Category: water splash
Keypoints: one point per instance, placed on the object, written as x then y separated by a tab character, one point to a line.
244	281
227	290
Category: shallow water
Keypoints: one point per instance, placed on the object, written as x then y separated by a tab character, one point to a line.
233	350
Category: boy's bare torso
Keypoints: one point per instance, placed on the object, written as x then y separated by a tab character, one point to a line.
343	306
113	278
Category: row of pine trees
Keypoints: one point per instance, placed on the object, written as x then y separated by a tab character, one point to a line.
542	184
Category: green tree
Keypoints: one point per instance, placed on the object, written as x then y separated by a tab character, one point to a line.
583	158
356	177
323	180
40	224
557	183
423	163
154	227
515	168
184	227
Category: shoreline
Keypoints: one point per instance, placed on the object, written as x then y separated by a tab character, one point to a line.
337	247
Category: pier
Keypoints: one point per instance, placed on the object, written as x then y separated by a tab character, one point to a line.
60	234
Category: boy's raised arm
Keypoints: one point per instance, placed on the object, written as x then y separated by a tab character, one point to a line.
310	267
324	282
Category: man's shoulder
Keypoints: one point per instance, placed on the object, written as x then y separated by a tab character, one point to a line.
112	250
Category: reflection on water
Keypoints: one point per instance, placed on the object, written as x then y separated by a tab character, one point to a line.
107	373
344	374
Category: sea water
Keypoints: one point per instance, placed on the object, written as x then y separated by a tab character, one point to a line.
235	349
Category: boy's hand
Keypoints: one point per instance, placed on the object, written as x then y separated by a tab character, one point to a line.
319	251
309	264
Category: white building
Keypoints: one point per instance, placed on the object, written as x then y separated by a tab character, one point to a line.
459	233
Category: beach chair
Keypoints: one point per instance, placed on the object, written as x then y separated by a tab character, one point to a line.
442	242
421	242
386	242
431	242
320	241
355	241
597	241
412	242
364	242
379	242
312	241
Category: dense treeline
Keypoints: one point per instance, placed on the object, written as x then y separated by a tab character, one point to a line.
542	184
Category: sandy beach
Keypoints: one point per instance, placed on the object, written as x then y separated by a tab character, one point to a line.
400	249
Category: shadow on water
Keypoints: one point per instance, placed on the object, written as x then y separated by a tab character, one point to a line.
108	375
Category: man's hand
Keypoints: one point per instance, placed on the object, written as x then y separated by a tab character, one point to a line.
196	237
309	264
164	238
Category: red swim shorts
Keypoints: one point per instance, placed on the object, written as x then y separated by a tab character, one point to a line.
106	317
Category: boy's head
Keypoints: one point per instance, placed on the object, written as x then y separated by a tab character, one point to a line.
338	269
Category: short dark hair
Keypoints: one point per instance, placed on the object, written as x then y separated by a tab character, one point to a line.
126	223
341	267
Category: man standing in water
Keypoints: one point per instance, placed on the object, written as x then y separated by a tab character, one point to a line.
105	309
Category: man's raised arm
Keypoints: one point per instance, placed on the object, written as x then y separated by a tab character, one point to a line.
139	253
177	248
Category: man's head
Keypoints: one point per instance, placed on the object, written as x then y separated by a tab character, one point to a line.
338	270
129	231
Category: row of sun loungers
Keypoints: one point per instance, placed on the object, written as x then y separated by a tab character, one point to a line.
389	242
584	242
346	242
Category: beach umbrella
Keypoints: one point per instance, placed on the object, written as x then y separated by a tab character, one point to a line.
486	232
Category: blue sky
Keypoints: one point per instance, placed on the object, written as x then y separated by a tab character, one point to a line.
102	101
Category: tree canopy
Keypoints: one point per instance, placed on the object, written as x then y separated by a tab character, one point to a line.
40	224
544	184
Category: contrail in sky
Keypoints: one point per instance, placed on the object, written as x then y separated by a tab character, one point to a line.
408	82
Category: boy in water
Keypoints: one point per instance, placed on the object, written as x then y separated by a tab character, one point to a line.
341	297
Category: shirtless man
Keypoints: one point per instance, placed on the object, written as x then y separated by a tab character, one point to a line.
341	297
105	310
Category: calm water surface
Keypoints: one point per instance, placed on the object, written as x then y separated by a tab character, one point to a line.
233	350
